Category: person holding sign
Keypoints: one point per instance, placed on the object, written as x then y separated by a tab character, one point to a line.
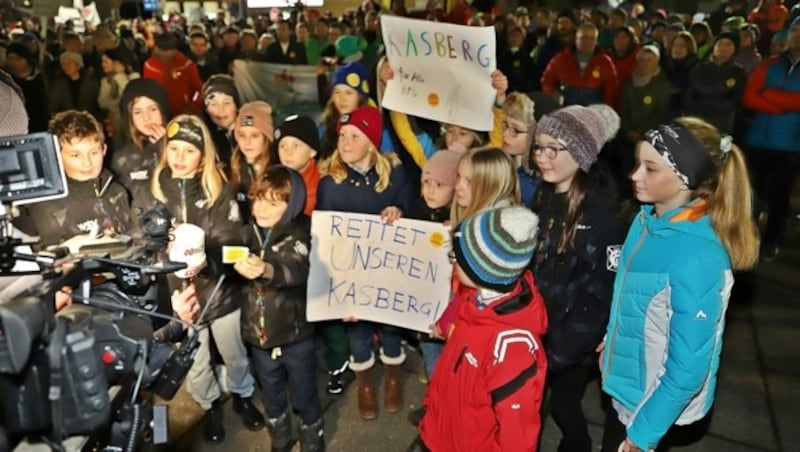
274	325
489	387
361	179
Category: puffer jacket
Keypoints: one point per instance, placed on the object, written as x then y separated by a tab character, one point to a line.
773	94
274	311
487	395
664	336
101	202
222	224
714	93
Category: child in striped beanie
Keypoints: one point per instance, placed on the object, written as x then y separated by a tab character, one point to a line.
495	363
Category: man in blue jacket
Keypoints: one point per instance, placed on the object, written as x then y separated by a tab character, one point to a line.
773	141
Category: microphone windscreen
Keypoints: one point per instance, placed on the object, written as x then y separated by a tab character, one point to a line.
189	247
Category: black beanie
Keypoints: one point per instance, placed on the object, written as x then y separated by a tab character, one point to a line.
145	87
301	127
23	51
570	14
733	37
220	84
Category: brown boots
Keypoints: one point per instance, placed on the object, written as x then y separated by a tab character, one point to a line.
393	392
393	389
367	406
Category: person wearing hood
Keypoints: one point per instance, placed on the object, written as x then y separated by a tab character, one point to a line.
144	106
95	203
747	55
489	385
661	352
274	326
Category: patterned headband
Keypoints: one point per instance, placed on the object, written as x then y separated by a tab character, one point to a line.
683	152
188	132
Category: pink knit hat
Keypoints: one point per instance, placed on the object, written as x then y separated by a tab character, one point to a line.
441	167
257	114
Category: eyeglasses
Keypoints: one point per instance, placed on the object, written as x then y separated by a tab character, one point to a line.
550	152
513	131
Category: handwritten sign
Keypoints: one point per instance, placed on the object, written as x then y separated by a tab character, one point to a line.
397	274
442	71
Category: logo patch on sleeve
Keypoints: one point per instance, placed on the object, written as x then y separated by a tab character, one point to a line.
612	257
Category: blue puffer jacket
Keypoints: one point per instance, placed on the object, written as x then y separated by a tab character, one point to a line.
664	336
773	94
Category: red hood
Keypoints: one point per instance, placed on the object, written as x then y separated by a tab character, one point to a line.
523	307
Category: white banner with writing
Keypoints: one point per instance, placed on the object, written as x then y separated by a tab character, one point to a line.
289	89
397	274
442	71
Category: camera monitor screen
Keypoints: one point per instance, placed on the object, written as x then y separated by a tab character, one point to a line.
31	169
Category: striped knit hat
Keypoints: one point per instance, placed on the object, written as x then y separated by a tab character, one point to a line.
494	247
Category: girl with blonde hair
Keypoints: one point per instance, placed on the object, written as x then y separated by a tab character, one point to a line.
664	339
189	182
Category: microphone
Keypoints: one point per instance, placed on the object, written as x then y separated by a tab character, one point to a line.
188	247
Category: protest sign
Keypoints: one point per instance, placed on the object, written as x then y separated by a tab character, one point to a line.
289	89
441	71
397	274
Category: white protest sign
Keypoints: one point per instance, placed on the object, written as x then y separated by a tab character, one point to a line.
397	274
441	71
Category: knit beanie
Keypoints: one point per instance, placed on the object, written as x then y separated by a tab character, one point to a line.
582	130
354	75
347	48
733	23
652	48
733	37
220	84
441	167
494	247
257	114
780	36
300	127
13	116
145	87
368	120
19	48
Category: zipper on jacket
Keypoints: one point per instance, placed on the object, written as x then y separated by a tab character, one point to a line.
610	348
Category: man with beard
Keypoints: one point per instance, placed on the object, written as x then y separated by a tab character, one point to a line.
559	39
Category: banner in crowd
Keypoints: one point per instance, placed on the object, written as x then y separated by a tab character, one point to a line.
441	71
289	89
396	274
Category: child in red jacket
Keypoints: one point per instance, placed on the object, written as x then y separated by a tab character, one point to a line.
489	389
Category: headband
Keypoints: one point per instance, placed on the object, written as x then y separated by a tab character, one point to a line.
188	132
683	152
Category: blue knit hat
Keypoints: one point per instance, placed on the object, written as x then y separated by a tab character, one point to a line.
354	75
494	247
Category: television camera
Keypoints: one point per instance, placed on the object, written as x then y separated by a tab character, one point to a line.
91	369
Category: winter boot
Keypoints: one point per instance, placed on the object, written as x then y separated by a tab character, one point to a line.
280	432
312	437
367	406
214	429
393	388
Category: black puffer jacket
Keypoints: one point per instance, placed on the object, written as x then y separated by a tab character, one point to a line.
282	307
134	169
101	201
222	225
577	286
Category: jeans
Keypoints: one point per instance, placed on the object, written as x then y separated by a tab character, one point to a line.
296	367
431	350
200	381
361	345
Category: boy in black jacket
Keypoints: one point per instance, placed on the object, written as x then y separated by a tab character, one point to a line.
95	201
274	314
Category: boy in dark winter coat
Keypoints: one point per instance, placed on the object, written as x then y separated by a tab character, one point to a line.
488	390
95	202
274	323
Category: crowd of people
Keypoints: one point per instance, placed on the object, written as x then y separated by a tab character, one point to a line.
555	271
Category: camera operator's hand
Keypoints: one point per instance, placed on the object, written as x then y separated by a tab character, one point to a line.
185	304
254	268
63	298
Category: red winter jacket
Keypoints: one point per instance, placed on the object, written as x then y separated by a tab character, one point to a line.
487	390
181	79
596	84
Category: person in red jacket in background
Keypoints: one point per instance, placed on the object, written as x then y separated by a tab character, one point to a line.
770	16
583	73
176	73
487	390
